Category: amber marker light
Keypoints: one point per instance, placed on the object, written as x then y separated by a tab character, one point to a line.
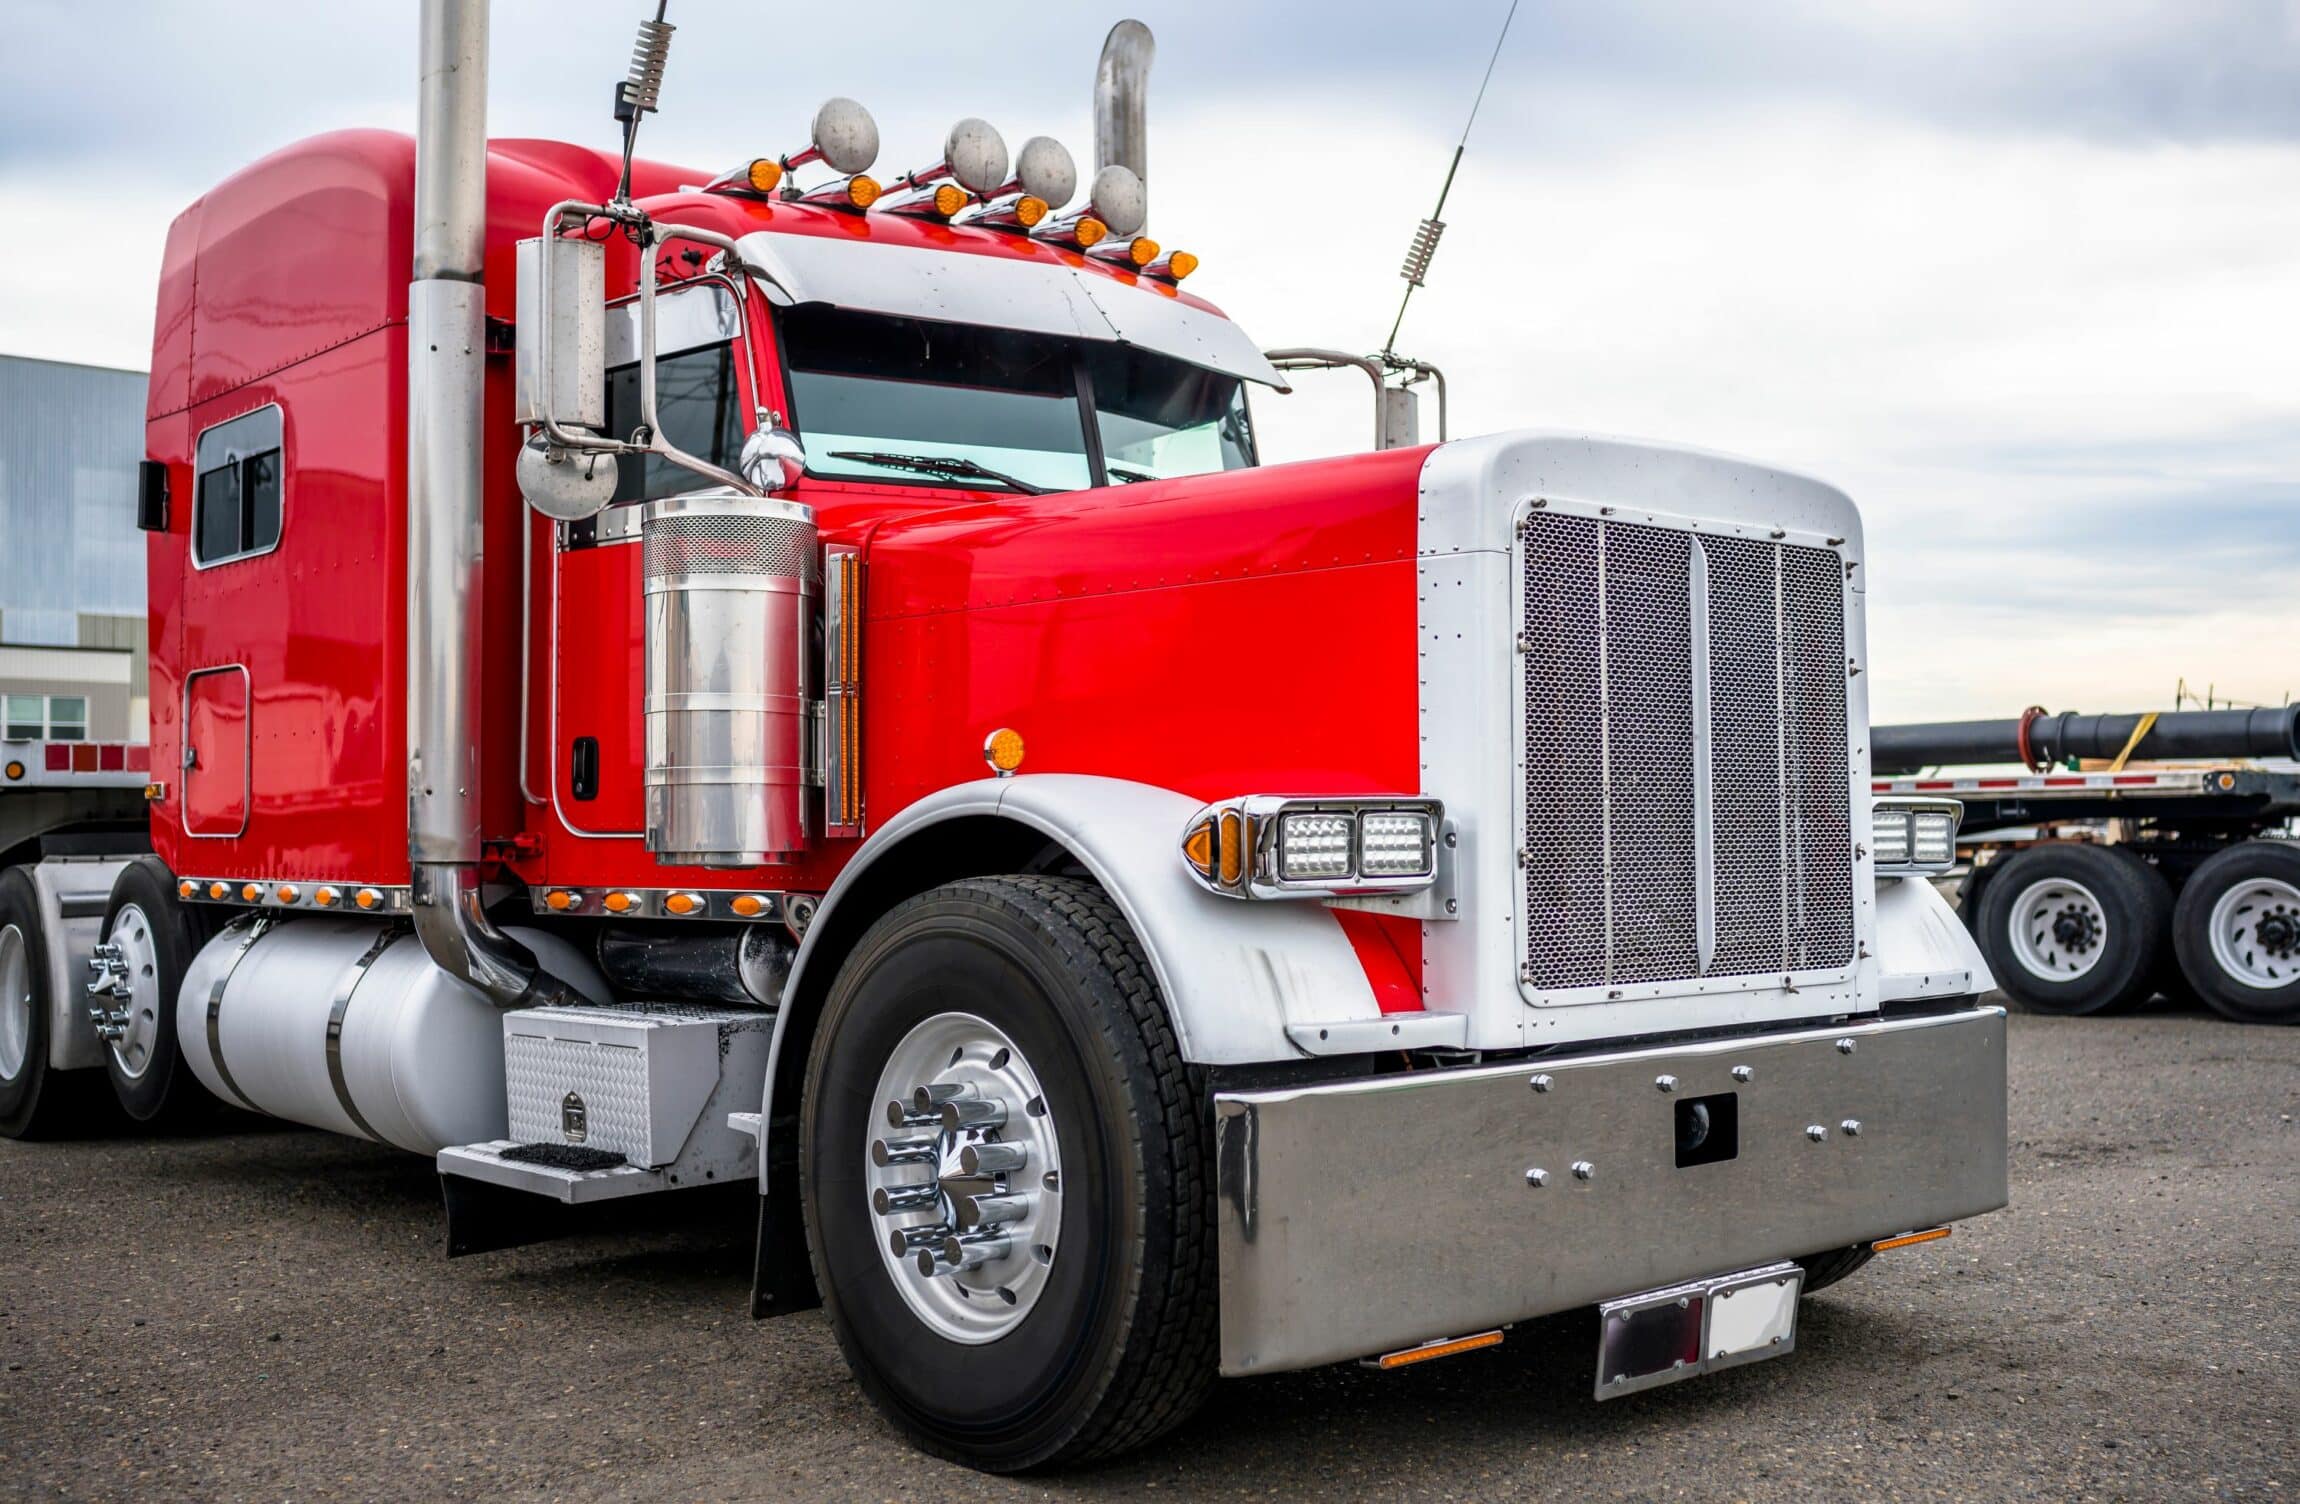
620	903
765	175
367	898
288	893
1407	1357
1142	250
1929	1235
218	890
1180	264
1089	231
1198	848
559	900
1232	848
1029	210
748	905
684	903
325	896
1003	749
250	892
862	190
949	198
187	888
15	770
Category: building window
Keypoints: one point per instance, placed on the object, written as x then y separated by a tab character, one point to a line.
55	718
239	489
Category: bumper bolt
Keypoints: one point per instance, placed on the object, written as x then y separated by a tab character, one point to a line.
1851	1127
1845	1046
1816	1132
1665	1084
1537	1178
1743	1074
1542	1083
1583	1169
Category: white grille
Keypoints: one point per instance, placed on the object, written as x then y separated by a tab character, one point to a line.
1687	790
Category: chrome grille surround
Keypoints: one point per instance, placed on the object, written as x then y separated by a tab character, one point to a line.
1687	817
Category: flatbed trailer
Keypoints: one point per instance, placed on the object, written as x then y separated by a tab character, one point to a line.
2091	890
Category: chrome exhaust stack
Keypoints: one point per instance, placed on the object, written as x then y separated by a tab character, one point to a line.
446	354
1121	89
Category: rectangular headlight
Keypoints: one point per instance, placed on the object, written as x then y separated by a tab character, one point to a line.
1890	835
1935	842
1313	847
1914	835
1396	843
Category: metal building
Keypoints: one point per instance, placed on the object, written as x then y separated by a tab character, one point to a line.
72	622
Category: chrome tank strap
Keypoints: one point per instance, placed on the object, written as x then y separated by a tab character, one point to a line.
352	977
255	931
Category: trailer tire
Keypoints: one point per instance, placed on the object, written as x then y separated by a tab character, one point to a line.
2237	932
1112	1335
35	1101
154	1086
2073	928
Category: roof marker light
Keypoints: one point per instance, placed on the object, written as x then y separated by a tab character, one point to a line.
1173	268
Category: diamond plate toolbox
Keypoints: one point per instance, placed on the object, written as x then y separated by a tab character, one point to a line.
630	1081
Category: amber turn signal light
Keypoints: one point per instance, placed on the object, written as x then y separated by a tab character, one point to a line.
748	905
1198	848
559	900
620	903
1407	1357
1930	1234
684	903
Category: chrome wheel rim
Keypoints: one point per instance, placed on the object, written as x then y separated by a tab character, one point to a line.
2058	929
15	1002
129	963
2256	933
963	1173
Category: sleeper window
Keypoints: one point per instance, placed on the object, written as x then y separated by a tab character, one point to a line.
239	492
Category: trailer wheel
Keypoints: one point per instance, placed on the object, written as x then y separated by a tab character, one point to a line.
2074	928
2237	931
35	1102
157	937
1004	1161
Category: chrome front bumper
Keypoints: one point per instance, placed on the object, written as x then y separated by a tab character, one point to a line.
1371	1215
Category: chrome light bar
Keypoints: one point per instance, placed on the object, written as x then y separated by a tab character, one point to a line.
1914	836
1278	846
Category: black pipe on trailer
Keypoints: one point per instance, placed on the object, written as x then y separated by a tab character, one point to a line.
2039	740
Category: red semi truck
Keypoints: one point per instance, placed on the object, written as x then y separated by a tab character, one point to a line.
713	680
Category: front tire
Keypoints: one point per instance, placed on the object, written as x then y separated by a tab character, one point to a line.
2074	928
2237	931
1092	1331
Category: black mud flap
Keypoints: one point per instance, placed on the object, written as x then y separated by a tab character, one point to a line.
782	1276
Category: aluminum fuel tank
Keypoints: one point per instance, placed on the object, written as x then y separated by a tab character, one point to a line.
730	585
345	1024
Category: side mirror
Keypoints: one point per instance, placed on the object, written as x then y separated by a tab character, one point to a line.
560	336
773	459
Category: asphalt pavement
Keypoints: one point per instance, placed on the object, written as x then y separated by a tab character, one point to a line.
268	1314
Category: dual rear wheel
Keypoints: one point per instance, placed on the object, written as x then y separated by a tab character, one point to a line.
2073	928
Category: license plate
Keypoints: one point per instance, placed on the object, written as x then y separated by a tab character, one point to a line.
1660	1336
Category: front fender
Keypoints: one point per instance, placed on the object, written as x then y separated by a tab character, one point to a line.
1233	973
1923	949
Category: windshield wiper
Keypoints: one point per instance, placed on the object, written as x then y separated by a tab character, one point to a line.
1120	472
940	464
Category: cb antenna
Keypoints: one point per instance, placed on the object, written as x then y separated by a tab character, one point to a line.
636	95
1425	241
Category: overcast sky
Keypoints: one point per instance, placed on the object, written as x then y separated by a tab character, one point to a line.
2024	278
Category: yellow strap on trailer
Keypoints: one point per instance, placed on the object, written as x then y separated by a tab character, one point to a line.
2147	722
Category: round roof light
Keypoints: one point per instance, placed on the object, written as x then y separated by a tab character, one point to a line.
1045	170
1119	200
976	153
845	135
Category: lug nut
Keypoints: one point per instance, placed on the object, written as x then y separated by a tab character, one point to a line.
902	1242
961	1113
963	1251
993	1159
985	1211
908	1198
928	1098
901	1115
903	1151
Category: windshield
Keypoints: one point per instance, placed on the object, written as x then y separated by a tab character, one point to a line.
951	404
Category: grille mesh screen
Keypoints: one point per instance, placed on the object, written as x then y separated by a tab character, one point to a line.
714	543
1620	622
